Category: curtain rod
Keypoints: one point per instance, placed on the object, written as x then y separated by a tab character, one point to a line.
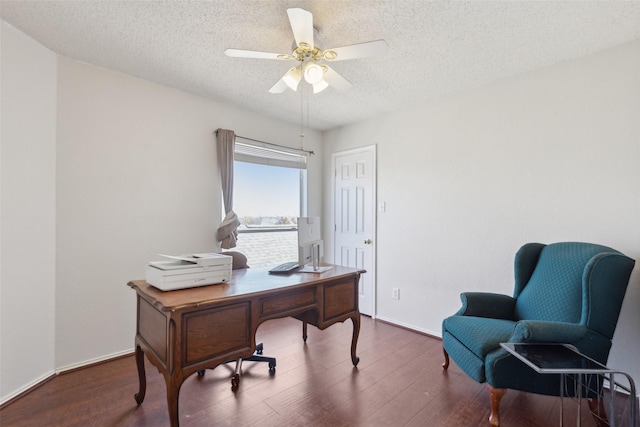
310	152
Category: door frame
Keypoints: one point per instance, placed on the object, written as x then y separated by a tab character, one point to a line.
374	217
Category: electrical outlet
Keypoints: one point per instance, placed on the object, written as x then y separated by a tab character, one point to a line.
395	293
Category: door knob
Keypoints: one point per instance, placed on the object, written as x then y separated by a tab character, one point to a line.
367	242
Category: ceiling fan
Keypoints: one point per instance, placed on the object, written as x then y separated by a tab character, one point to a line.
319	75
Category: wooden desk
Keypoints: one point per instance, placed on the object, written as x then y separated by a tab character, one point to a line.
185	331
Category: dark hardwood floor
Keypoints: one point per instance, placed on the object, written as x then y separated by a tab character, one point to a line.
399	382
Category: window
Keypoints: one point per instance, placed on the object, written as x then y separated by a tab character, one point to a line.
269	194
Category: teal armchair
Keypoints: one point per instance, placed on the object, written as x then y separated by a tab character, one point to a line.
564	293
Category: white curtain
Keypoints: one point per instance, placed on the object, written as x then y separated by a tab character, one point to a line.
227	233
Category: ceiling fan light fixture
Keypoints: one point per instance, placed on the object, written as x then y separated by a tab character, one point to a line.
320	86
292	78
313	73
307	54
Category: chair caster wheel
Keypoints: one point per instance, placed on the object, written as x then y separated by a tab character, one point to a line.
235	382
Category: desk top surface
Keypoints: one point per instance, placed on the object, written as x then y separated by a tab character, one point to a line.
243	283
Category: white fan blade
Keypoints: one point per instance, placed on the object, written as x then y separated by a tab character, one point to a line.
279	87
301	25
335	80
360	50
239	53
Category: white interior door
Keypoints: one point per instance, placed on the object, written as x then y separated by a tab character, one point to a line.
354	218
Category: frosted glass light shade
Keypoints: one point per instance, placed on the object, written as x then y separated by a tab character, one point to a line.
320	86
292	78
313	73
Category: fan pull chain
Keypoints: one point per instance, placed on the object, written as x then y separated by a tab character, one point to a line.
308	111
302	117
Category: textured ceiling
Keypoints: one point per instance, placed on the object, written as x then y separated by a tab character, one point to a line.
435	48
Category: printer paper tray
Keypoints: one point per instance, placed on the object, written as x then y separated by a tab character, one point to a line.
162	281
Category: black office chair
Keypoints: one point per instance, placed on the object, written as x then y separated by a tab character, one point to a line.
239	262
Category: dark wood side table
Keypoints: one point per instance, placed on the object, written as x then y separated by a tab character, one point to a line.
185	331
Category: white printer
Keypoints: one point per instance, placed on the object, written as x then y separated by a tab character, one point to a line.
188	271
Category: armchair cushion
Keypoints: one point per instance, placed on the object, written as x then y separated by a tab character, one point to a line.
481	335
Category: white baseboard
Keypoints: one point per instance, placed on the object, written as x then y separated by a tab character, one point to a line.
27	387
412	327
64	369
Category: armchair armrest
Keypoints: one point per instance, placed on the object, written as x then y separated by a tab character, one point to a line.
486	304
547	332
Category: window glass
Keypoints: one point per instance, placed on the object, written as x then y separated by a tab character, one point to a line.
267	200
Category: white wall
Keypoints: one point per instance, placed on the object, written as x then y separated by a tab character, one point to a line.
137	176
134	168
27	212
548	156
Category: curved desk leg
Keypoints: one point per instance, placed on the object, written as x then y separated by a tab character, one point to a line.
142	377
173	390
354	340
304	331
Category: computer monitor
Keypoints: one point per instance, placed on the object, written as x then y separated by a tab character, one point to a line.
309	241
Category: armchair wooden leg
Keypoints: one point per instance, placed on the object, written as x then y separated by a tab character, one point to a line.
495	395
596	406
445	365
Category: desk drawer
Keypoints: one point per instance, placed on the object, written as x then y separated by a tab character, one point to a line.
291	302
339	299
216	332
